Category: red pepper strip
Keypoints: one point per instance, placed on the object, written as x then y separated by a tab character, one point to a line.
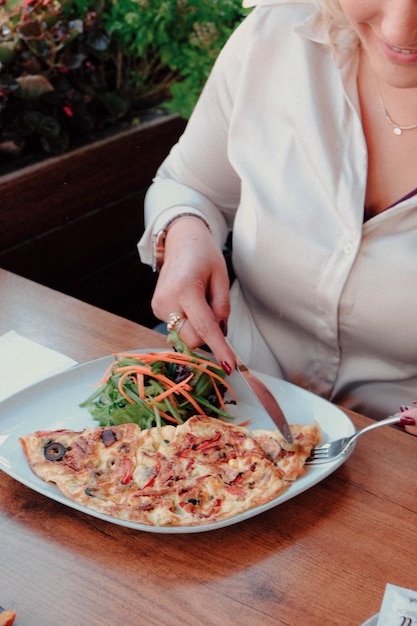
208	442
190	440
238	479
152	480
200	478
149	483
127	467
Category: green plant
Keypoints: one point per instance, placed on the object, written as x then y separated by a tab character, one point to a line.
69	69
184	36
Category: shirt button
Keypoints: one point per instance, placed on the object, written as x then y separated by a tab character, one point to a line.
348	249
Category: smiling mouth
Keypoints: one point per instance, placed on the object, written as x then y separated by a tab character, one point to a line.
403	50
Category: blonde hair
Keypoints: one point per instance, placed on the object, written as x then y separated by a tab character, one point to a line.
333	15
332	10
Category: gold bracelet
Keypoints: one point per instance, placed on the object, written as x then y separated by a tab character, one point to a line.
158	250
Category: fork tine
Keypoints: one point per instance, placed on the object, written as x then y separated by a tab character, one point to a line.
321	446
322	450
335	449
318	461
319	453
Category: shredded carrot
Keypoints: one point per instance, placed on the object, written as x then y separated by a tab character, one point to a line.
219	396
173	401
191	400
141	386
120	387
179	358
203	367
141	369
179	387
168	382
105	376
169	417
136	369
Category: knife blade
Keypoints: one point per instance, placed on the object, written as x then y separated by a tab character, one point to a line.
264	396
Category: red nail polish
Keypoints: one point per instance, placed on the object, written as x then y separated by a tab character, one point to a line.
407	421
225	365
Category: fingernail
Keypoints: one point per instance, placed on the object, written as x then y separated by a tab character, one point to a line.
223	327
225	365
407	421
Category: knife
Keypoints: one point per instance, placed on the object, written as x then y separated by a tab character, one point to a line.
265	397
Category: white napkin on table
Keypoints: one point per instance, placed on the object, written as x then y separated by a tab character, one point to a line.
24	362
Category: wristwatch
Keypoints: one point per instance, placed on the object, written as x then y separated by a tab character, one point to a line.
158	249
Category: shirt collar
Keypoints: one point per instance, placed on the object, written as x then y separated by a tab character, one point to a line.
314	28
343	42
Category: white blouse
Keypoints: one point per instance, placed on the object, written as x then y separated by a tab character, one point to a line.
275	151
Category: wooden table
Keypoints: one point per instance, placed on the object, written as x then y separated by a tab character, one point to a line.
321	559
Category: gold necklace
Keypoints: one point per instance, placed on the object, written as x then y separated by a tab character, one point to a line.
397	128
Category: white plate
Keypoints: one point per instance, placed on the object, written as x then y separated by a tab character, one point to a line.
372	621
54	403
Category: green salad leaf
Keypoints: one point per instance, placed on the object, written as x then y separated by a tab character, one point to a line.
158	388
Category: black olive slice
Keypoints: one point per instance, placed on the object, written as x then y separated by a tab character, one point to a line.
108	437
54	451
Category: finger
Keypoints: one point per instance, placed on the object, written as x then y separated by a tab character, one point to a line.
202	324
175	322
219	299
205	330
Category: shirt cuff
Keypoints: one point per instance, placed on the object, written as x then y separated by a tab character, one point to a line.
156	219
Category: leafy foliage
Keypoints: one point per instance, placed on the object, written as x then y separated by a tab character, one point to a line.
69	69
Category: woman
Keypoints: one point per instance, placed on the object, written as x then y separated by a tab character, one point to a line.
303	142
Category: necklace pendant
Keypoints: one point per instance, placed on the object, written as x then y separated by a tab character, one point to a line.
396	128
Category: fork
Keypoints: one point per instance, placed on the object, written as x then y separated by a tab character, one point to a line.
332	450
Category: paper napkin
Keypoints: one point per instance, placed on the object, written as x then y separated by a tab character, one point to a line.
398	607
24	362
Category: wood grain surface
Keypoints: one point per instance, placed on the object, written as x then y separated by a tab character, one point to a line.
320	559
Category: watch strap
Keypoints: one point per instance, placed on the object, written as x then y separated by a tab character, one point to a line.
158	250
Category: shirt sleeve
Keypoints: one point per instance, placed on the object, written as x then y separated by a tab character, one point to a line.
197	175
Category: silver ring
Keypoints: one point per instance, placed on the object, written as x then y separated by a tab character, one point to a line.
175	322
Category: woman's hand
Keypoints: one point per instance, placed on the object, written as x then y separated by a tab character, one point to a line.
411	412
194	281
